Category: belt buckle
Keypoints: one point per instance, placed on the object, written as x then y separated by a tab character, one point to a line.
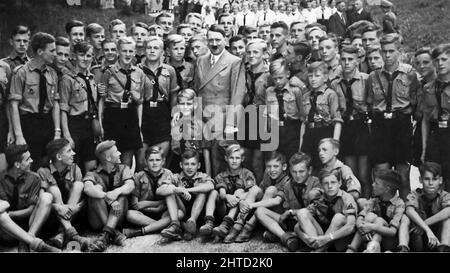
123	105
351	117
443	124
281	123
387	115
153	104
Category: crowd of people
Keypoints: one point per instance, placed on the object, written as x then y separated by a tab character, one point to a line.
128	131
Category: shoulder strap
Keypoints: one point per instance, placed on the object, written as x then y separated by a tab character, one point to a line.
115	77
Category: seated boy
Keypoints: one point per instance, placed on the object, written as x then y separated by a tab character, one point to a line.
379	217
329	220
148	210
273	182
107	189
234	184
23	206
193	187
328	152
62	179
295	195
427	213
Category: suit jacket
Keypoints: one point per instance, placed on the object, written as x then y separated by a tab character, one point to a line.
336	25
222	84
354	17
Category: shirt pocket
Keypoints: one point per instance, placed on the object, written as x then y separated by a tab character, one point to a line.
114	86
378	94
290	105
78	95
31	92
136	83
402	85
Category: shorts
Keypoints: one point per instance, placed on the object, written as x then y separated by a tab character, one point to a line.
3	129
355	138
122	125
391	140
289	138
438	149
251	129
311	141
156	123
81	132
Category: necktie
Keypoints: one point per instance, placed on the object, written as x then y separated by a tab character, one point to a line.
313	110
383	209
330	210
233	179
60	179
349	95
343	18
252	89
298	192
42	91
281	112
428	206
110	182
178	71
245	16
265	13
15	197
156	88
390	87
188	182
440	86
126	93
323	13
92	109
213	60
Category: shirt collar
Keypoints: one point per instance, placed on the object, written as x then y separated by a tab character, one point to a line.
117	67
401	67
15	177
14	56
35	64
196	176
217	57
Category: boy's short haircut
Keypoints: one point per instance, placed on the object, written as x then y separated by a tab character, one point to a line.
93	28
125	41
198	37
20	29
154	150
154	39
280	24
373	48
108	41
139	24
260	42
431	167
301	48
218	28
391	177
183	26
439	50
279	66
325	173
174	39
424	50
318	66
14	153
232	149
249	30
331	37
335	143
296	23
114	23
264	25
371	28
154	27
314	26
54	147
103	146
237	38
277	156
391	38
349	49
222	15
73	23
40	40
187	93
298	158
161	15
190	153
82	47
62	41
194	14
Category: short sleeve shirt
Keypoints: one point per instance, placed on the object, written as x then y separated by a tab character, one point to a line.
395	209
120	174
292	100
328	108
181	180
278	183
14	60
167	81
244	180
190	134
425	207
324	209
290	200
146	184
429	103
71	175
348	179
115	85
29	185
74	93
359	93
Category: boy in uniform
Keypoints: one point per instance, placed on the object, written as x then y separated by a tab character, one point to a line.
19	40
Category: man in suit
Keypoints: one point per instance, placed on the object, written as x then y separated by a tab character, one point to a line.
337	23
359	13
220	81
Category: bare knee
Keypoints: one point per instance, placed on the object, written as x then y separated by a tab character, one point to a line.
270	191
405	221
4	206
370	217
46	199
339	219
303	214
78	186
260	212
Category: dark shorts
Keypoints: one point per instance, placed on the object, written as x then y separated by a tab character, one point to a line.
311	140
81	132
355	138
289	138
417	143
38	130
3	129
391	140
438	149
156	123
252	139
122	125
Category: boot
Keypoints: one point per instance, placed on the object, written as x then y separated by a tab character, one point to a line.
101	243
23	247
72	235
223	229
173	231
270	237
443	248
190	228
207	228
402	248
39	246
58	239
290	241
245	234
118	238
234	232
132	232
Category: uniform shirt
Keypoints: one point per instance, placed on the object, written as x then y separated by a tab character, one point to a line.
292	99
74	95
359	93
404	90
186	71
261	83
14	60
181	180
64	181
345	174
328	109
114	89
334	71
167	81
391	211
278	183
324	209
25	87
244	180
250	19
119	175
425	207
28	184
289	193
190	137
5	76
429	103
146	184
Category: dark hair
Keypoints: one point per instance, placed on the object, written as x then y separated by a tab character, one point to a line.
154	150
391	177
183	26
249	30
277	156
301	48
114	23
14	153
55	146
217	28
237	38
439	50
190	153
82	47
325	173
280	24
40	40
20	29
423	50
93	29
349	49
223	15
139	24
298	158
431	167
62	41
73	23
163	14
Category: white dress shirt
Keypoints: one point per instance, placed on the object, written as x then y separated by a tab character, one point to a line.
266	17
250	19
